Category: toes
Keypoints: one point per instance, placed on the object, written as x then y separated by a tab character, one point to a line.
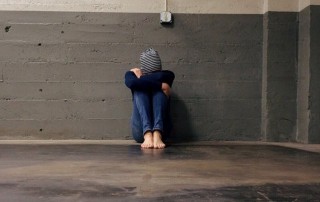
147	146
160	146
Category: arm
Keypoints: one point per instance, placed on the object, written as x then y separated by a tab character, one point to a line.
166	89
167	77
154	81
141	83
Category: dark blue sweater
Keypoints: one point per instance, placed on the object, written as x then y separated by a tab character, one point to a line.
149	82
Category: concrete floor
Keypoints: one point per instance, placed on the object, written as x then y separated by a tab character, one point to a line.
102	171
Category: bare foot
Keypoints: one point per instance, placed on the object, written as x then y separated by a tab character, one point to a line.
157	140
148	141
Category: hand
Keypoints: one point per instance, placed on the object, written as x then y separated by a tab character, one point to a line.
166	89
137	72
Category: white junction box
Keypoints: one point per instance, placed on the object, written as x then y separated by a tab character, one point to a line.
165	17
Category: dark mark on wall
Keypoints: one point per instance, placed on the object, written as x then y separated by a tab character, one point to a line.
7	28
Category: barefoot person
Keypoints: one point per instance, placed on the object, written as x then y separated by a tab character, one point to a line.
150	87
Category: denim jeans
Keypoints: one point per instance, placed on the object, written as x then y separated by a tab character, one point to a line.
150	113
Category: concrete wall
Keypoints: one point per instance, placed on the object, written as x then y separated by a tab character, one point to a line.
63	73
308	98
279	76
314	130
242	68
309	75
303	76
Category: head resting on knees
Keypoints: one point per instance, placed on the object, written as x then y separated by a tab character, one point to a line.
150	61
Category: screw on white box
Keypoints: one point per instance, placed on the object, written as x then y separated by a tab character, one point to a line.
166	16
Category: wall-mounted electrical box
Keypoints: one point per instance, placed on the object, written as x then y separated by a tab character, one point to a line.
166	17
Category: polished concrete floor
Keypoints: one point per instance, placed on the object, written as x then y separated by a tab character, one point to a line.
184	172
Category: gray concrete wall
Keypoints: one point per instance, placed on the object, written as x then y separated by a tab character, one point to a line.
290	95
303	76
314	127
62	73
308	98
238	76
280	76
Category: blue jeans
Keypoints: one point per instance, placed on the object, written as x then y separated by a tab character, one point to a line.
150	113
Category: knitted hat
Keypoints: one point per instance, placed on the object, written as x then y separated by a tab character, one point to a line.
150	61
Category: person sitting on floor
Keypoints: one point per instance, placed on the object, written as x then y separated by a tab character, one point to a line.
150	87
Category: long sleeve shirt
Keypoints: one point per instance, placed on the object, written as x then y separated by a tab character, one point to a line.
149	82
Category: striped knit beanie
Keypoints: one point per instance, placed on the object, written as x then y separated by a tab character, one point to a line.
150	61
